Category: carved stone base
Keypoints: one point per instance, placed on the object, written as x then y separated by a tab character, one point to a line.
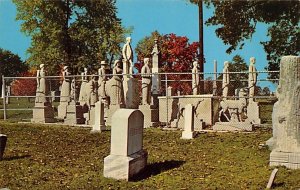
232	126
288	159
188	134
151	115
74	114
43	114
111	110
124	167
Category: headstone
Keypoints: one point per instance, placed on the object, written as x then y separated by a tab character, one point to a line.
74	114
286	116
3	139
188	132
127	157
99	123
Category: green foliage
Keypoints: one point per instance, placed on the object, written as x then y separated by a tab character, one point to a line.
236	21
60	157
238	64
74	33
11	64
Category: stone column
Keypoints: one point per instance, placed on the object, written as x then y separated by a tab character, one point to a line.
286	115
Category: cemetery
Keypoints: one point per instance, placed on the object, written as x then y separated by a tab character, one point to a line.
117	124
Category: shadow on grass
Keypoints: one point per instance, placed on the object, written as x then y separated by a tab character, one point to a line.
15	157
157	168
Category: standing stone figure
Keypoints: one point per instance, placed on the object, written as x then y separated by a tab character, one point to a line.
252	78
66	86
128	57
102	80
226	80
83	93
195	78
117	97
91	89
41	88
286	115
146	82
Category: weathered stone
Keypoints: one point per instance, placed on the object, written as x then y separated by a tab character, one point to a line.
155	88
226	80
286	115
74	114
195	78
99	123
131	93
43	113
151	115
146	83
252	79
188	131
127	158
3	139
232	126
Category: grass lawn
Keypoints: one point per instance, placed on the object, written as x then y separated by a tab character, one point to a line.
60	157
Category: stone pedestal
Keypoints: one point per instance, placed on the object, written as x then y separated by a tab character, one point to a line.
74	114
131	93
3	139
253	113
233	126
188	132
286	116
99	124
127	157
110	111
62	110
151	115
43	113
90	116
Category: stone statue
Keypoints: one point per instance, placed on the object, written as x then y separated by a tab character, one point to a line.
73	89
41	89
252	78
102	80
117	96
195	78
91	89
66	86
83	93
146	83
226	80
286	115
127	57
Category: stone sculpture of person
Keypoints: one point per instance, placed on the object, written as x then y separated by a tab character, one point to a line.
73	89
84	81
146	83
252	78
195	78
66	86
226	80
91	89
102	80
41	89
117	96
128	57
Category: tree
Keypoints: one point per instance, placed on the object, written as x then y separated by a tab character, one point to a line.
18	86
177	55
11	64
76	33
236	21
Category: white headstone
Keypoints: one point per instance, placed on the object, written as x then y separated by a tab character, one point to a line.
188	132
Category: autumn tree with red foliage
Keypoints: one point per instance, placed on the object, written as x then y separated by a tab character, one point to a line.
26	86
177	56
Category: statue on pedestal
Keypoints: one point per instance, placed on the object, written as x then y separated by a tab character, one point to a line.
66	86
195	78
146	83
83	93
41	89
252	78
102	80
117	96
226	80
127	57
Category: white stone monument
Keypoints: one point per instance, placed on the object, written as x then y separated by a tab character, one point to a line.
188	131
127	157
99	122
226	80
195	78
286	116
146	83
65	93
42	111
84	82
252	79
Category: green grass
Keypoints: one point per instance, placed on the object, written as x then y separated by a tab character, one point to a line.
60	157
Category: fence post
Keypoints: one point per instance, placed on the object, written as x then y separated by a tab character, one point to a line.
167	95
4	97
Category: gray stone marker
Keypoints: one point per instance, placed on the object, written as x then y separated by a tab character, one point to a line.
188	132
286	116
127	156
99	123
3	139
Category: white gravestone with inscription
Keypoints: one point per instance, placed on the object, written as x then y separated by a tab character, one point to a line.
127	157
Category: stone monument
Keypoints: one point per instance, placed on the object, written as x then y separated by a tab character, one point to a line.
188	131
92	98
226	80
127	157
286	116
252	79
65	94
155	89
42	111
127	54
149	110
84	81
102	80
99	122
195	78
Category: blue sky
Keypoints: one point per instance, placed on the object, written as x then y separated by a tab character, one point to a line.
166	16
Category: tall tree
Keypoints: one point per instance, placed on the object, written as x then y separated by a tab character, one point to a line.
236	21
76	33
177	55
